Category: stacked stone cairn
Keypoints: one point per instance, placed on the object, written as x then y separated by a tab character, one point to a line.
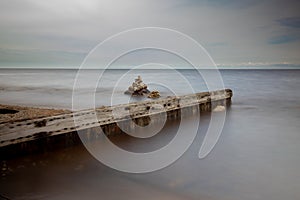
138	88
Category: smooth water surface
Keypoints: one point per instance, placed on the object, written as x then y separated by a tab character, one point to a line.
256	157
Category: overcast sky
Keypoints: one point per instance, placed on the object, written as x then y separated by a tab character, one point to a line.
60	33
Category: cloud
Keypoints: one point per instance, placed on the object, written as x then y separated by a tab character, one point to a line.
292	22
217	44
60	30
283	39
39	58
231	4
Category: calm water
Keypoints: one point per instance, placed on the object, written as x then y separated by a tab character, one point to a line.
257	156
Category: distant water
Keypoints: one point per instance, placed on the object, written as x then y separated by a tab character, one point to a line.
257	156
54	88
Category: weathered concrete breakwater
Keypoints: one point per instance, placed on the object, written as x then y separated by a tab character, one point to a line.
63	127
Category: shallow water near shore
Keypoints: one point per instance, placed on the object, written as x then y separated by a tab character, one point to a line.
256	157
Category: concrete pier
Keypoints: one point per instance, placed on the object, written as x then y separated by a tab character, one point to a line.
62	126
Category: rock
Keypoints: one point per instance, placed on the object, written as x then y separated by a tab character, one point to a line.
138	88
219	109
154	94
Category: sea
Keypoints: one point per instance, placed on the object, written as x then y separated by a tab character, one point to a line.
257	156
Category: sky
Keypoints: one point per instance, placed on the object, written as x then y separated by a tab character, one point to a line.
60	33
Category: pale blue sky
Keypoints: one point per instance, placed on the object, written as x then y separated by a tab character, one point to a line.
59	33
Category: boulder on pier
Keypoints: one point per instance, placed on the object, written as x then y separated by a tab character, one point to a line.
154	94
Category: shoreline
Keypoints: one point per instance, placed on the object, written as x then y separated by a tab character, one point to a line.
18	113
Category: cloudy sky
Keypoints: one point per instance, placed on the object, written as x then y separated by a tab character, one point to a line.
60	33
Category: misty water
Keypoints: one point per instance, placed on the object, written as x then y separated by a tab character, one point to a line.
256	157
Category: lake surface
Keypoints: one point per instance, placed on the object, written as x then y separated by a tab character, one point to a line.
256	157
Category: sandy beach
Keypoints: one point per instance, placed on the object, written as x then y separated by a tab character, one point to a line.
18	113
